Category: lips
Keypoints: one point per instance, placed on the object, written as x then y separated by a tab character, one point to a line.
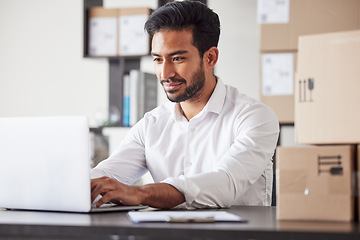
171	86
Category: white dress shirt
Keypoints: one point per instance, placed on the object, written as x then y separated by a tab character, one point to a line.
221	157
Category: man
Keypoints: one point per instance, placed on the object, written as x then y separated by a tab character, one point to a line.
210	146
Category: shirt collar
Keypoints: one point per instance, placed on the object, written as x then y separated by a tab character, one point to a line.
216	101
214	104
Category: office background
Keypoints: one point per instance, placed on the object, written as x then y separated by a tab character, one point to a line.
43	71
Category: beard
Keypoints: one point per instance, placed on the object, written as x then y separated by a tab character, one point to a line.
191	91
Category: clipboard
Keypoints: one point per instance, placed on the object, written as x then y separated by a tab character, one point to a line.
184	217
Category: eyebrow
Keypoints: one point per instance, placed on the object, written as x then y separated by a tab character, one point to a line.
180	52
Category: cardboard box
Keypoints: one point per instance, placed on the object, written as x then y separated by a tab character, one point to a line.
133	40
118	32
277	83
283	106
310	17
315	183
327	89
103	32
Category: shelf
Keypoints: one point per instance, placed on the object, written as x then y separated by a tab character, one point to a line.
116	57
118	65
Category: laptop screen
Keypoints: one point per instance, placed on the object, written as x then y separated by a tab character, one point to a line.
45	163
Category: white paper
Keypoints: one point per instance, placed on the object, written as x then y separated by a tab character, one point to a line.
134	95
102	37
273	11
164	216
277	74
133	38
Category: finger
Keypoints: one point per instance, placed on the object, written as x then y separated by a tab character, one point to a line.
95	181
94	195
98	189
114	192
96	200
108	197
101	201
125	195
102	185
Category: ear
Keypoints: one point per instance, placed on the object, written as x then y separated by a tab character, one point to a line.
210	57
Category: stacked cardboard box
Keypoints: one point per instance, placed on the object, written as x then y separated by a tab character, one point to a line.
118	32
282	22
317	182
314	183
327	89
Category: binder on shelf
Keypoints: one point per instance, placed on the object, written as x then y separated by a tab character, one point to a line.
126	101
134	76
143	94
150	87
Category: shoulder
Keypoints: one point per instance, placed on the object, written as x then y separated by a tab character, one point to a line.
160	113
241	101
152	121
246	108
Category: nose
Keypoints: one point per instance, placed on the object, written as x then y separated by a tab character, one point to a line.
167	70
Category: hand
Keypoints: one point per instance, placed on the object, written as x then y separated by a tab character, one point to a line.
158	195
115	192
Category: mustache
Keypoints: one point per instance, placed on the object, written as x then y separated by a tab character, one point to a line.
173	80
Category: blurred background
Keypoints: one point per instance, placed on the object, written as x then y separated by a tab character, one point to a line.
43	70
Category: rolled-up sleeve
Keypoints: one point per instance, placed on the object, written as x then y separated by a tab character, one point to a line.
241	166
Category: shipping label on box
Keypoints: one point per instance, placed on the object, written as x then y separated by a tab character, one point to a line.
277	83
315	183
273	11
327	89
309	17
277	74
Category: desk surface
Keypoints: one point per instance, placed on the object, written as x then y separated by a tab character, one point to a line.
262	224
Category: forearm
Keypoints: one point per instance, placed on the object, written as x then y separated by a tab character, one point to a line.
161	195
207	190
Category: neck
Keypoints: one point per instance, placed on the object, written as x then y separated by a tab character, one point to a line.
194	106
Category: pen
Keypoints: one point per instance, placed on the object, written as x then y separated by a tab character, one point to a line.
190	220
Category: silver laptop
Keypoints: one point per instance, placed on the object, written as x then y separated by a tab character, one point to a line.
45	165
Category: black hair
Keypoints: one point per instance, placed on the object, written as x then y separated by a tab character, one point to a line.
203	22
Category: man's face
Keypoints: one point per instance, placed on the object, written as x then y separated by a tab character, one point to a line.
178	65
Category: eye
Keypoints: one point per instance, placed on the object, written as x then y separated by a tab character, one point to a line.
157	60
178	59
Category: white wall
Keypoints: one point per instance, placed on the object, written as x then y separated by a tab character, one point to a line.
42	71
239	45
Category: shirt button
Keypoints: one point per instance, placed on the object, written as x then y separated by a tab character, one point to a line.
192	129
188	164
